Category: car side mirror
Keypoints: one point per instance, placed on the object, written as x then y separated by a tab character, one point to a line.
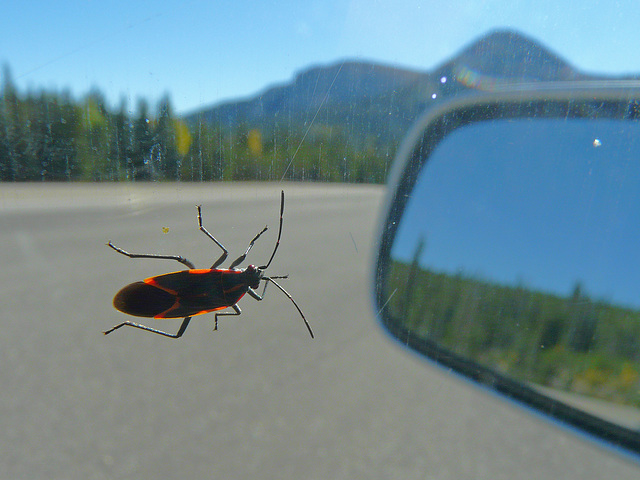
510	249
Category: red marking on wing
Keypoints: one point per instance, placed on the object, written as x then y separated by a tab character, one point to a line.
172	312
153	282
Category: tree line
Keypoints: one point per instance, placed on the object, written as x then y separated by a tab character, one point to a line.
50	136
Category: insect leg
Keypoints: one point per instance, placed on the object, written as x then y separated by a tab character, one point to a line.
183	327
241	258
178	258
225	252
255	295
236	311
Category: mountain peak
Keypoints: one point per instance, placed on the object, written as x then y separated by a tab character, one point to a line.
507	54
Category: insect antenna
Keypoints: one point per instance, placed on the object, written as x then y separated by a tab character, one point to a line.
264	267
271	279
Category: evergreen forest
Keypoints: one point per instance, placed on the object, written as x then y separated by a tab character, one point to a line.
50	136
573	343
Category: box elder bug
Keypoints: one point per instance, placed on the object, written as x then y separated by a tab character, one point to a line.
193	292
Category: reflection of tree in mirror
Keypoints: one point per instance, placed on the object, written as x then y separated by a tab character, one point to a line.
571	343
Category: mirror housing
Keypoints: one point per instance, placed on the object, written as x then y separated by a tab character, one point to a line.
509	249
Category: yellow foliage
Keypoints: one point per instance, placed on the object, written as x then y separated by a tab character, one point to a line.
254	142
595	376
183	137
93	117
628	375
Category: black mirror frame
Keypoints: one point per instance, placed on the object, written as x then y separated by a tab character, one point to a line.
585	100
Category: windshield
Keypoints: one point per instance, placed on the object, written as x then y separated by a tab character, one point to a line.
117	119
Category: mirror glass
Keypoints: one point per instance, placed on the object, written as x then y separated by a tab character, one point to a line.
519	248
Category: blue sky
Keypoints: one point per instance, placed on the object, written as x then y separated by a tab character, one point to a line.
202	53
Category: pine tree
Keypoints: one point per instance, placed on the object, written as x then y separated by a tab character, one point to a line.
141	167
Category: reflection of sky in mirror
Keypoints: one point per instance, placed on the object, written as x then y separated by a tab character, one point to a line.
542	203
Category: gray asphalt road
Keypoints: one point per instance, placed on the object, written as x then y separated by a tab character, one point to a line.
258	398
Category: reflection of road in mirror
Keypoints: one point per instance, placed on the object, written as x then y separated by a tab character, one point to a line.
622	415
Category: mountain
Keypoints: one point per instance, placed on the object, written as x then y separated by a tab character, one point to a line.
508	56
347	92
374	103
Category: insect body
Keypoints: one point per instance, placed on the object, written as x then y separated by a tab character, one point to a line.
193	292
